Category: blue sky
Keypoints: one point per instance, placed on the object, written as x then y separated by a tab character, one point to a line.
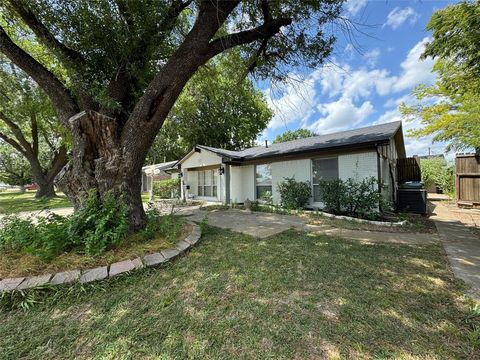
362	83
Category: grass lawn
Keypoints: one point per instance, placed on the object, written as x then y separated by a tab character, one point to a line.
13	202
292	296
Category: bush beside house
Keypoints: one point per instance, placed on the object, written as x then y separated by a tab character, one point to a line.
351	197
167	189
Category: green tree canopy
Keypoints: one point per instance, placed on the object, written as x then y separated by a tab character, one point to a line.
436	171
14	169
293	135
219	107
29	125
449	109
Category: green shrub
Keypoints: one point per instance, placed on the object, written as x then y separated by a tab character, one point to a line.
333	194
437	171
294	194
166	189
91	230
352	197
98	226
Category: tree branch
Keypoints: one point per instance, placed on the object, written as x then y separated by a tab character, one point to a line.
266	30
58	162
44	35
34	132
17	132
59	95
13	143
165	87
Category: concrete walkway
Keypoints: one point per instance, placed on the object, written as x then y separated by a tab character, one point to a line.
461	244
263	225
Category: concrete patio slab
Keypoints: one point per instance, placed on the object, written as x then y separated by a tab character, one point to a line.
263	225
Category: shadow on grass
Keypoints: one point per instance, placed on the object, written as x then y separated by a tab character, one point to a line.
294	295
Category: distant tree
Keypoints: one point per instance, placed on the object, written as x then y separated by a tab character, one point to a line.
29	125
219	107
293	135
14	169
449	109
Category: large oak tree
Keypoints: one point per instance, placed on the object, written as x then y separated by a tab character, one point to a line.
123	63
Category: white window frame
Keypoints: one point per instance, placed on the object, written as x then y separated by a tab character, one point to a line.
271	180
207	184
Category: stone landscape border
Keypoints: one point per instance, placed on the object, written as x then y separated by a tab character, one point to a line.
103	272
365	221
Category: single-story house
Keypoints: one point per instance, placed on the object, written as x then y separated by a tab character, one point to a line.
155	172
233	176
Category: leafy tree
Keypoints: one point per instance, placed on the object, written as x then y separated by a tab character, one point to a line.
219	107
120	66
437	171
14	169
29	125
293	135
449	109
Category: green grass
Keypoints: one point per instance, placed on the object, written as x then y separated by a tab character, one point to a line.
294	295
13	202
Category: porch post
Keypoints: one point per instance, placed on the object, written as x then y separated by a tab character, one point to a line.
227	183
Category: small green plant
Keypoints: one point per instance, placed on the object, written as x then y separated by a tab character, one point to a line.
294	194
167	189
204	224
98	226
168	226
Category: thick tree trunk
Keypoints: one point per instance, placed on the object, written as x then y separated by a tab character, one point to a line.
45	189
101	164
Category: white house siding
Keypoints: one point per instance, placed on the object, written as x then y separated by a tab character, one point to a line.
242	183
198	160
301	170
358	166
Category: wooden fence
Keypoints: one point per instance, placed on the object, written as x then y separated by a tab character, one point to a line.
467	179
408	169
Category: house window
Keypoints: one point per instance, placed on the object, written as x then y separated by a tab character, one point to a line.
207	183
323	169
263	181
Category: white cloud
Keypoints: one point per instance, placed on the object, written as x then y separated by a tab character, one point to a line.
293	101
362	83
354	6
371	57
347	90
398	16
340	115
414	70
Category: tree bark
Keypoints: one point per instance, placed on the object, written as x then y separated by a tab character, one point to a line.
100	162
45	190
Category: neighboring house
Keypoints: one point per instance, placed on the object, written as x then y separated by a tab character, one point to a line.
233	176
155	172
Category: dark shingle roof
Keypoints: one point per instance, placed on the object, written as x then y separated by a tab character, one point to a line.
366	135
